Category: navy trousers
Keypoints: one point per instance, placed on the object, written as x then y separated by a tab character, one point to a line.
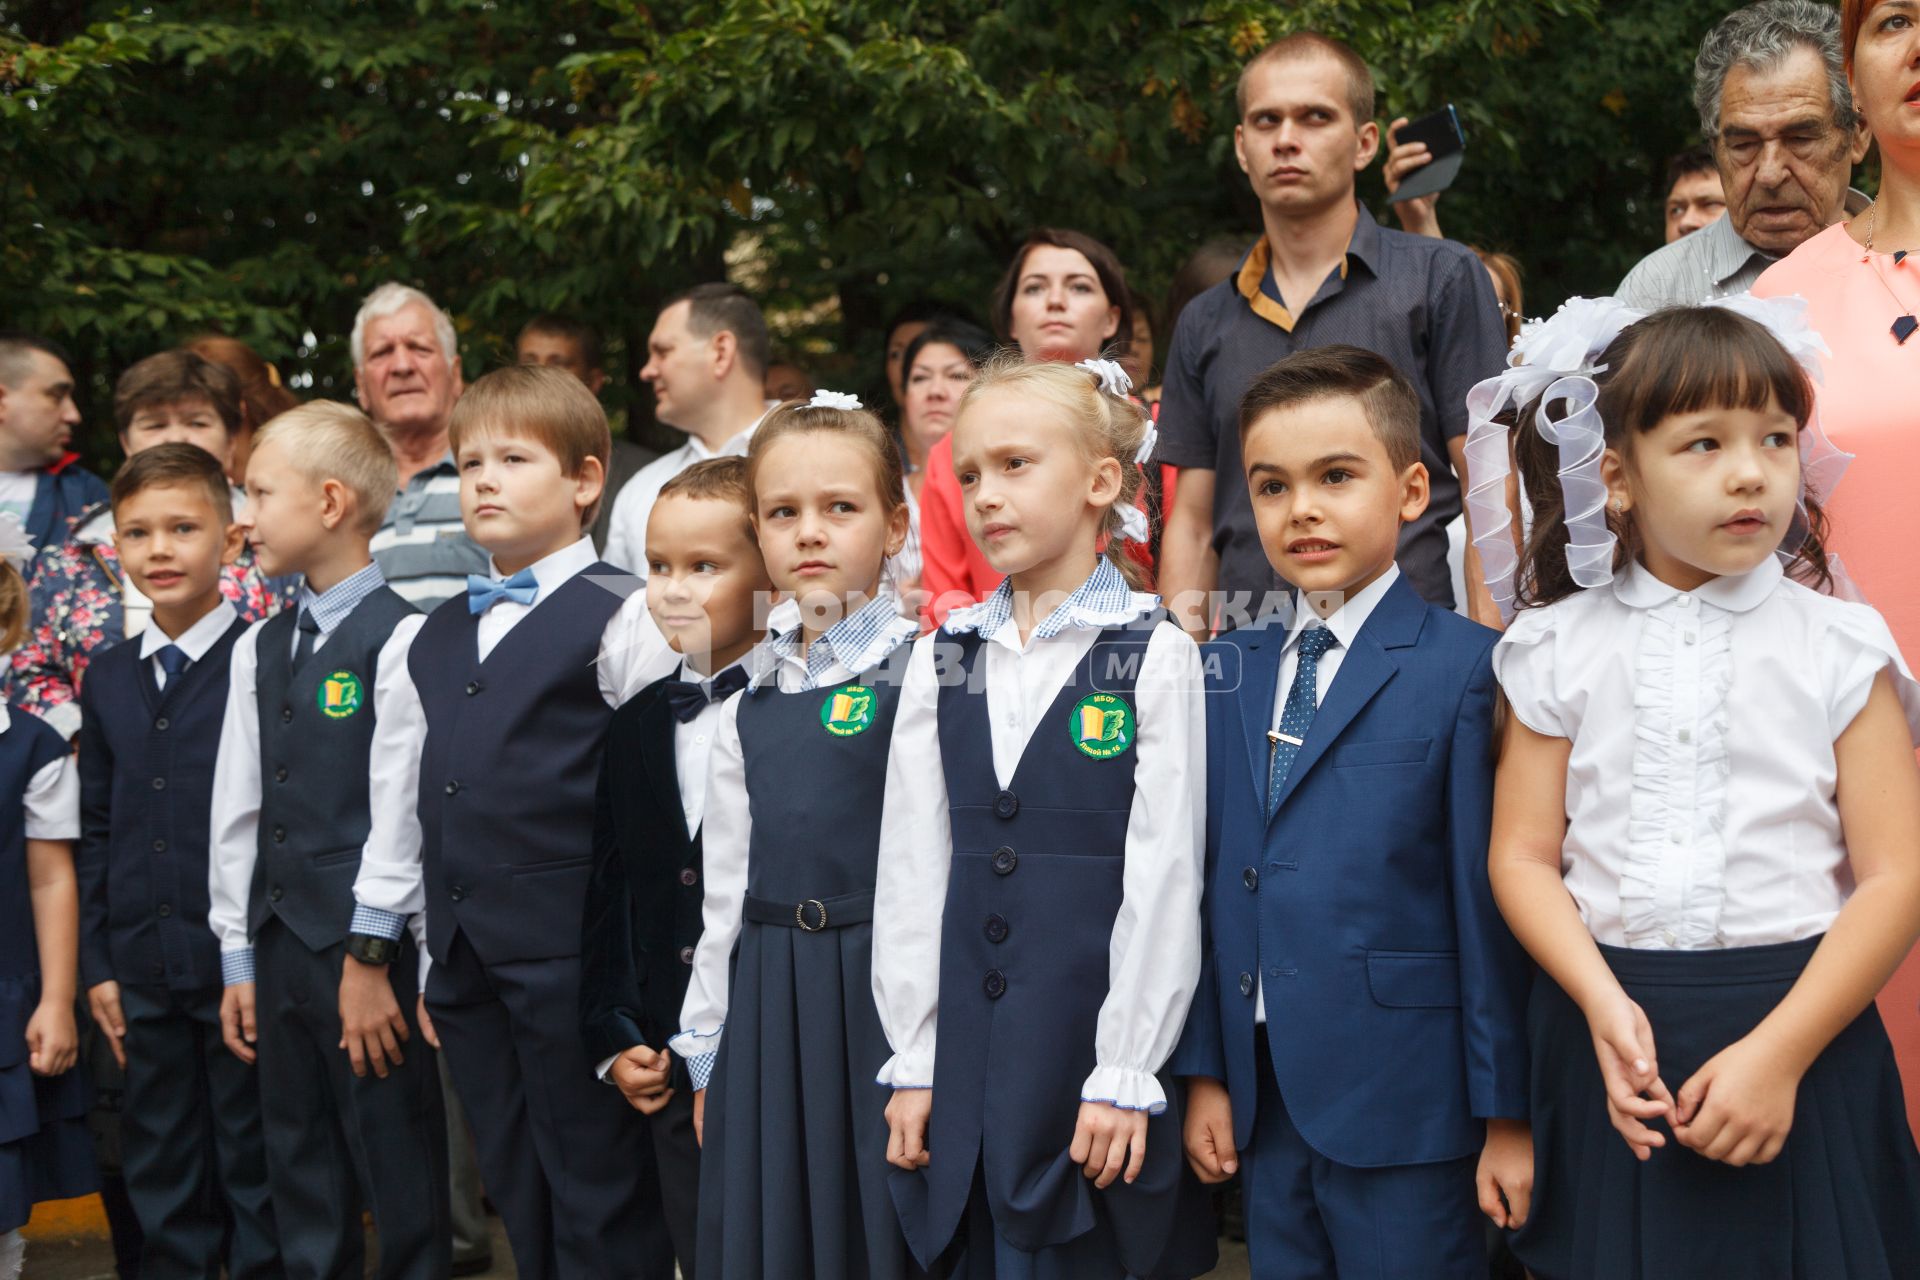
1310	1218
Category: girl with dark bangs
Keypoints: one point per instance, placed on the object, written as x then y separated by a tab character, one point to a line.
1703	813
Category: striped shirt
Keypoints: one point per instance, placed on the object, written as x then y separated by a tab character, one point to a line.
1713	262
423	547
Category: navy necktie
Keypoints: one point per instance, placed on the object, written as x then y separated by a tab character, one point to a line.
1303	699
689	697
309	628
173	660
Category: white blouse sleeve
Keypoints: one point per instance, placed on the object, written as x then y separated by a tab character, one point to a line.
234	848
1154	956
726	832
910	893
633	652
53	801
1523	663
1858	646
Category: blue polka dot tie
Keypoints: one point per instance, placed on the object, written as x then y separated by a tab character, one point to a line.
1303	699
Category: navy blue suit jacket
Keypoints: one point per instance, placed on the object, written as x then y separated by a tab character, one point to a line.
1395	994
63	492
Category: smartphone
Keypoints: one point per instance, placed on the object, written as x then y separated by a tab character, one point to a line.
1445	143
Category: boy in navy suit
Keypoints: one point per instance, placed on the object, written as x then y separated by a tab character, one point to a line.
484	823
292	807
704	577
190	1138
1358	1039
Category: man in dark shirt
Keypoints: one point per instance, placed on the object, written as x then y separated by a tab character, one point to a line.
1324	272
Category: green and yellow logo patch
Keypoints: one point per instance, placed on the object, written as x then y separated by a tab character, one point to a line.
340	695
1101	725
848	710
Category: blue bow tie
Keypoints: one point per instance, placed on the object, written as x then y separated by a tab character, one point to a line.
483	592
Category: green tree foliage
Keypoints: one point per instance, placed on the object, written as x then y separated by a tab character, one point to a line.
256	167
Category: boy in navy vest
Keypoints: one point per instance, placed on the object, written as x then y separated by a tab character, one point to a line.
151	711
512	688
291	811
1358	1037
704	577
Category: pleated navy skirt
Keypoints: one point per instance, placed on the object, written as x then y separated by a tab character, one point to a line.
1842	1199
46	1150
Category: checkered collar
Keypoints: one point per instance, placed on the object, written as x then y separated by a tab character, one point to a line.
1103	600
331	607
858	643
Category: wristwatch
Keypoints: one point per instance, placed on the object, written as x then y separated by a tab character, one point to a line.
368	948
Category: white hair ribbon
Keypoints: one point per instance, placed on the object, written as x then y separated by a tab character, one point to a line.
1147	442
834	400
1112	378
1133	524
15	545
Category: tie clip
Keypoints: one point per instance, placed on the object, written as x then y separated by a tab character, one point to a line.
1275	737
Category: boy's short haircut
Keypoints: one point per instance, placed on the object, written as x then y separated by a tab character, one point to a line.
173	464
1342	372
717	480
172	377
549	406
328	440
1307	44
578	332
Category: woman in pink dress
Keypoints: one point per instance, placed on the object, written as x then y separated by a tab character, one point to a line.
1861	280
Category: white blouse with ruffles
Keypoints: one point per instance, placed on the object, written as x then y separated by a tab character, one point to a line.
1701	807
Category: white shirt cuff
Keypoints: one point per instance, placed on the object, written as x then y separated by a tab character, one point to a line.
905	1071
1126	1089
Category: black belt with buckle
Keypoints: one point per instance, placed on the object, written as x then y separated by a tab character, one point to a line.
814	914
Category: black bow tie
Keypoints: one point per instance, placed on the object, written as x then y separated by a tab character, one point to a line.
689	698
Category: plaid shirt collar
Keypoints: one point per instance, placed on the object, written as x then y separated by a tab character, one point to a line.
1103	600
859	643
331	607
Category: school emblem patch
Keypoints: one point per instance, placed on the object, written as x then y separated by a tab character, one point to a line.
340	695
1101	725
847	711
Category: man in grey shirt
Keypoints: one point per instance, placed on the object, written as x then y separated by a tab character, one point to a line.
1771	87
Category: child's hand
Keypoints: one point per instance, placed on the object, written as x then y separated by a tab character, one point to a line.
427	1032
236	1021
103	998
1209	1130
909	1112
1103	1136
1623	1042
371	1024
1505	1177
1738	1108
53	1042
700	1117
641	1076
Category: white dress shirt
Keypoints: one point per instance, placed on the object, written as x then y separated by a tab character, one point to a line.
633	654
53	795
235	843
866	639
633	505
1154	951
1345	623
194	641
1701	807
693	743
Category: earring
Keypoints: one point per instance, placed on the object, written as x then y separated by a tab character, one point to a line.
1619	506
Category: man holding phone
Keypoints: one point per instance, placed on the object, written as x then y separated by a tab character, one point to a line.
1323	272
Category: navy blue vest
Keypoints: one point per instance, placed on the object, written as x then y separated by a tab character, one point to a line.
146	781
508	771
316	739
1033	891
26	747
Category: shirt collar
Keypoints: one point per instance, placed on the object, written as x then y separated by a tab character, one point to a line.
554	571
858	642
734	446
1728	253
1103	600
1363	247
331	607
1738	593
1346	621
196	639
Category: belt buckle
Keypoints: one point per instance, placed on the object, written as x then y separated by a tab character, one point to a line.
800	915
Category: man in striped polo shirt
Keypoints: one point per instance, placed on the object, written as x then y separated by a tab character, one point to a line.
406	370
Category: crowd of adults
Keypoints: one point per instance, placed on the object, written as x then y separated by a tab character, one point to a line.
1791	96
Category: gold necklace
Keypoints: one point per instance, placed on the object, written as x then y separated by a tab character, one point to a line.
1904	326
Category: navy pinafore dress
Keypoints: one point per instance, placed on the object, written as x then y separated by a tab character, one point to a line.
45	1150
1033	893
793	1169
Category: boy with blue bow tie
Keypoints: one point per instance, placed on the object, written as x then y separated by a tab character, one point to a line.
483	823
1358	1039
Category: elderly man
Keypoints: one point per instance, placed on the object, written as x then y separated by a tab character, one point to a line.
406	372
1771	88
